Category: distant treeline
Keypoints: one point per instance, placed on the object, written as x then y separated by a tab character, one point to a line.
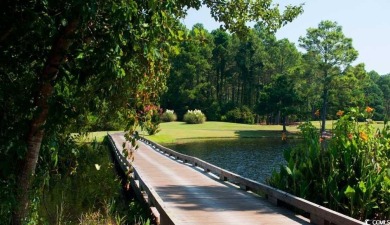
260	79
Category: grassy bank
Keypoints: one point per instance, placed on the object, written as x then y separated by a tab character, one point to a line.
180	131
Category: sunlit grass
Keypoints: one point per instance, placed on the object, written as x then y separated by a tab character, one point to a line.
173	132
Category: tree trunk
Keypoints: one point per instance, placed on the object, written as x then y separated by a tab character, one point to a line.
277	118
324	109
217	86
284	118
36	130
325	99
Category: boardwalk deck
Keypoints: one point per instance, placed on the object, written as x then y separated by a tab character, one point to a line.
192	197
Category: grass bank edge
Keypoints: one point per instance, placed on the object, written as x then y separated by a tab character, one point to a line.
172	132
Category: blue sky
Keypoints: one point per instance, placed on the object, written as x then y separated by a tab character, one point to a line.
367	22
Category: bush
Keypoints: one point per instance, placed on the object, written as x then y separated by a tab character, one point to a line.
168	116
152	124
150	119
348	172
240	115
213	113
194	117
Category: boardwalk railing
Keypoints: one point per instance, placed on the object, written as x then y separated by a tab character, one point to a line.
318	214
141	189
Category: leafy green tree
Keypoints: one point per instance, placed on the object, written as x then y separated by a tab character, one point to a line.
249	61
384	84
373	95
282	68
189	79
60	59
348	89
309	86
332	52
280	99
221	53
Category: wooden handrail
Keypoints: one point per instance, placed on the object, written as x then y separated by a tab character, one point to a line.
318	214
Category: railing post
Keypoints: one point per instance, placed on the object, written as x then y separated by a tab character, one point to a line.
156	215
222	178
273	200
318	215
315	219
244	187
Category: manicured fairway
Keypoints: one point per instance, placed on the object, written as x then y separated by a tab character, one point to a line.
180	131
174	131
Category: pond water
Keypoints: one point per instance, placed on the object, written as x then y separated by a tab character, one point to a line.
253	158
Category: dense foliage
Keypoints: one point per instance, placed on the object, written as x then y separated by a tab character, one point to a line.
87	191
240	115
65	64
350	172
150	118
332	51
221	73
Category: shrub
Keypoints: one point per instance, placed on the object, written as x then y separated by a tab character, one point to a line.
348	172
213	113
168	116
240	115
194	117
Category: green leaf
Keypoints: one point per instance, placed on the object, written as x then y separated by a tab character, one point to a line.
80	56
122	72
180	35
362	187
288	170
175	50
64	22
349	192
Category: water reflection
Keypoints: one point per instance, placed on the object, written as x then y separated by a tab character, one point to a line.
254	158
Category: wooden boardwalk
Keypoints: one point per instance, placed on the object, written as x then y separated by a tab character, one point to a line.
192	197
187	196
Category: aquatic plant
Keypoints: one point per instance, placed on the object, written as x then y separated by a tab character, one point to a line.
348	172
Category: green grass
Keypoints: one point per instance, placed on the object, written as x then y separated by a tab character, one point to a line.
179	131
174	132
